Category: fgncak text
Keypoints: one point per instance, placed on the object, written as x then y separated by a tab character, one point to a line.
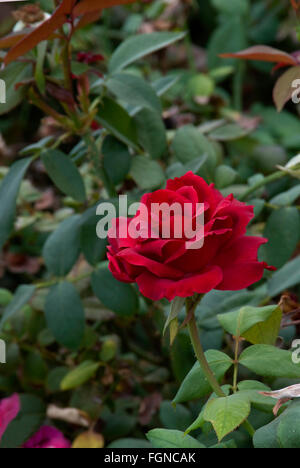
296	351
2	352
2	92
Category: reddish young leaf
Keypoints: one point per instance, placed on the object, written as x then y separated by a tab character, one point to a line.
263	53
88	6
88	18
41	33
12	39
295	4
284	89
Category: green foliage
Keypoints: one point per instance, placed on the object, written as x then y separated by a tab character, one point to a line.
283	432
65	314
155	107
164	438
64	174
256	325
269	361
195	385
227	413
79	376
9	190
119	297
132	50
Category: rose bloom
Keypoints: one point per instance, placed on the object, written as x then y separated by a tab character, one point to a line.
48	438
166	268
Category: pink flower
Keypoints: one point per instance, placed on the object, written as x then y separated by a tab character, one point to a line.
48	437
89	58
9	409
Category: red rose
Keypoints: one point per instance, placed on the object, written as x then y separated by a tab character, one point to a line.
167	268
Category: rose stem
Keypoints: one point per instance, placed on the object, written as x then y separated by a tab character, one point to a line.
195	339
192	326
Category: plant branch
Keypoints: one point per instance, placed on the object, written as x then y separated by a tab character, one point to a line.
267	180
96	159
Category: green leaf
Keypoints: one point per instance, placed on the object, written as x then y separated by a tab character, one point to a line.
55	378
288	431
13	74
236	7
285	278
129	443
228	37
162	85
116	159
135	91
228	413
258	325
195	384
62	247
228	132
39	69
116	119
282	230
286	198
270	361
189	144
200	421
178	418
225	176
141	165
28	421
165	438
64	174
93	248
137	47
9	190
65	315
79	375
252	388
22	295
283	432
117	296
151	132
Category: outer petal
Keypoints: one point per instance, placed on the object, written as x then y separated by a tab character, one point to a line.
157	288
241	276
239	263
